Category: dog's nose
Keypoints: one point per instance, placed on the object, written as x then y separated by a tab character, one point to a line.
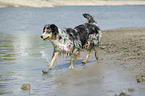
41	36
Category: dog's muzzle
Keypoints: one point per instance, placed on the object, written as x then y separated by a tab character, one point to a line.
44	38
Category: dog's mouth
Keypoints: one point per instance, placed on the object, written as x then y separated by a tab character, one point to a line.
45	38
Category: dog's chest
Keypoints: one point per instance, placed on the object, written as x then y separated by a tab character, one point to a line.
62	42
61	46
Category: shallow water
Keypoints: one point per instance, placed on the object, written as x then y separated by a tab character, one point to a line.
23	54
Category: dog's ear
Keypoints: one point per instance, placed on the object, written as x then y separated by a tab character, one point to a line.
54	29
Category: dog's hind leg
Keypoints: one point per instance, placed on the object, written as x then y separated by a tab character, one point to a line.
55	55
88	54
96	52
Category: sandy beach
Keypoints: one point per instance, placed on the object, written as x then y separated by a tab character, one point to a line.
55	3
127	46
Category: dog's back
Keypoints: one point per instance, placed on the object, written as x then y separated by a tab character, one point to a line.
88	32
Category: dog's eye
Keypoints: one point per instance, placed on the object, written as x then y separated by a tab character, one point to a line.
47	31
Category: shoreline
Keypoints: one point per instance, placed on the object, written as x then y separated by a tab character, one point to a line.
55	3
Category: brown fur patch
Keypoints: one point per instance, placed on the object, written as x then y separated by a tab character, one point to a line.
45	35
71	48
51	36
86	46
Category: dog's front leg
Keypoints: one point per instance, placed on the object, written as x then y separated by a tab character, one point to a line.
55	55
73	58
88	54
71	63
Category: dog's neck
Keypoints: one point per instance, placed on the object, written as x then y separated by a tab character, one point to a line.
63	42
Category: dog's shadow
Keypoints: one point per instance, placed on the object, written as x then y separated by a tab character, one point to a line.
76	64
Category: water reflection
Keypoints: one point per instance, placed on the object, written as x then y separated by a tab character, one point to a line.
6	48
19	54
23	44
13	46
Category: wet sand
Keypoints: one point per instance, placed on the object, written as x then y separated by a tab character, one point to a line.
127	45
121	63
55	3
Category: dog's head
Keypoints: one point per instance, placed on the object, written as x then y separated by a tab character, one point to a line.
49	32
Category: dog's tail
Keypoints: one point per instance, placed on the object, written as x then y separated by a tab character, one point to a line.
89	18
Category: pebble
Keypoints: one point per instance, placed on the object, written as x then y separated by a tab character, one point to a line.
25	87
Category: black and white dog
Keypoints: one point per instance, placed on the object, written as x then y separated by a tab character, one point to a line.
71	41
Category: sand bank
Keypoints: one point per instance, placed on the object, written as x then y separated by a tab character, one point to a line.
54	3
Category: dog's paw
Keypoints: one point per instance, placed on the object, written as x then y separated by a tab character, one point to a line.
97	58
84	62
45	71
71	67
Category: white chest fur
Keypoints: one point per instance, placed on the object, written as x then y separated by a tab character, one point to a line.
60	46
